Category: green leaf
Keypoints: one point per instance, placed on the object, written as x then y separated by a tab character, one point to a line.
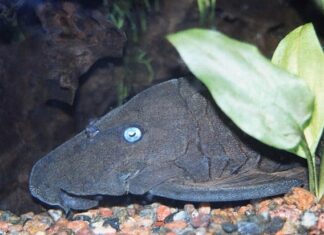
265	101
301	54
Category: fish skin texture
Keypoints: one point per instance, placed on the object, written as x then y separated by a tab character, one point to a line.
188	151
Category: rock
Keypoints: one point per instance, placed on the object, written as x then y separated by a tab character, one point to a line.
308	219
215	228
169	218
9	217
176	226
260	219
38	224
248	228
17	228
148	213
95	39
77	226
63	42
120	213
129	225
139	231
188	231
82	217
105	212
113	222
26	216
263	206
265	216
99	228
204	209
181	215
301	198
131	210
55	214
189	208
288	228
200	231
162	212
320	223
229	227
86	216
289	212
275	225
144	222
199	220
221	216
40	233
246	220
58	227
245	210
4	226
170	233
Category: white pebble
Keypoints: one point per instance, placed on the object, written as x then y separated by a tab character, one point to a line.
182	215
55	214
200	231
98	228
309	219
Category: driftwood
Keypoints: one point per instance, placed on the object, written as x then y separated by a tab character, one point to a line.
43	68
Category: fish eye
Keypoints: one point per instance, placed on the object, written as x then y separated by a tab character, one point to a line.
132	134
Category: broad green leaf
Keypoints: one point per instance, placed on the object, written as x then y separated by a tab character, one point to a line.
301	54
265	101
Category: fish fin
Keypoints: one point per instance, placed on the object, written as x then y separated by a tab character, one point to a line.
69	202
244	186
195	164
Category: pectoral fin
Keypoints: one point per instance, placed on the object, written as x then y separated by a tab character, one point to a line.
151	176
249	185
75	202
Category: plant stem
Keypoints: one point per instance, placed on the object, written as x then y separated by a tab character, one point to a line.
212	11
312	173
321	175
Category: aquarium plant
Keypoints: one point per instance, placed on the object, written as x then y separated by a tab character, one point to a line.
280	103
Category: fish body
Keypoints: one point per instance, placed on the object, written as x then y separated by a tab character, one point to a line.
169	141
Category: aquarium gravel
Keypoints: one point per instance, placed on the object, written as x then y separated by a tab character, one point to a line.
295	213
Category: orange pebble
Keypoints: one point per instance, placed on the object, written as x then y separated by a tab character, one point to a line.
300	197
280	233
4	226
170	233
158	223
179	224
162	212
105	212
34	226
263	206
77	225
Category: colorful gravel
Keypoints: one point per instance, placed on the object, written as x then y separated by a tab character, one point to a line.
295	213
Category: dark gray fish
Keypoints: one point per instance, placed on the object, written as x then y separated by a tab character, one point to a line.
168	141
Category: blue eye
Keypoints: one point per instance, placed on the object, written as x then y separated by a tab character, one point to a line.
132	134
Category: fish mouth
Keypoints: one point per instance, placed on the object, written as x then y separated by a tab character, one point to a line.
53	194
70	201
